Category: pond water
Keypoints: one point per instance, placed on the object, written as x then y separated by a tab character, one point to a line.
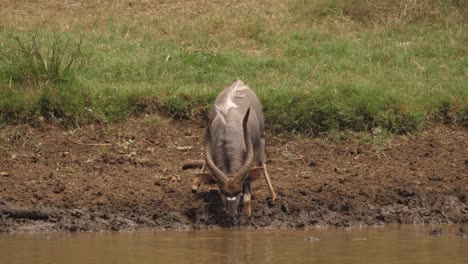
395	244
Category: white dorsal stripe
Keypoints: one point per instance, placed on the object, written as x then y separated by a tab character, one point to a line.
222	108
219	116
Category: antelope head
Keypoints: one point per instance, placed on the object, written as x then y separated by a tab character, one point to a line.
230	186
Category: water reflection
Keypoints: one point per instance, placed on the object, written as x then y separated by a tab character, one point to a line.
398	244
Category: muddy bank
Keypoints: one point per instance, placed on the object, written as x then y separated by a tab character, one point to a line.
128	176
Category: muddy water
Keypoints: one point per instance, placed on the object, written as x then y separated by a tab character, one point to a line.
398	244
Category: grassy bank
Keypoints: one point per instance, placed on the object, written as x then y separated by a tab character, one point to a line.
318	66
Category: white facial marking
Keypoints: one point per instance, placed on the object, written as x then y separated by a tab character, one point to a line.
231	198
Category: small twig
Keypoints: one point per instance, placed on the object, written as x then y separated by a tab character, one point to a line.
147	141
184	148
192	164
89	144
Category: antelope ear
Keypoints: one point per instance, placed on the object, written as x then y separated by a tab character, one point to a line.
254	173
205	116
206	178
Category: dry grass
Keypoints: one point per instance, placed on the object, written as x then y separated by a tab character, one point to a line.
234	24
65	14
219	24
91	14
172	20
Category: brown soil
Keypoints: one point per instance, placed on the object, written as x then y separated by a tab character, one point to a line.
128	176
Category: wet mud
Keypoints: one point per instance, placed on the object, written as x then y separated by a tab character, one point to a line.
128	176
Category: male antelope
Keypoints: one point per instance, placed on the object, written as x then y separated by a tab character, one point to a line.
235	147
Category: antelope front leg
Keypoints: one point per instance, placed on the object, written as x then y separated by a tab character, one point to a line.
267	178
197	182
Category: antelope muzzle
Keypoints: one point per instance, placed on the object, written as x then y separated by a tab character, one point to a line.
230	206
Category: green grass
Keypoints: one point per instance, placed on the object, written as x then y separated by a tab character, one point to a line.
318	66
28	62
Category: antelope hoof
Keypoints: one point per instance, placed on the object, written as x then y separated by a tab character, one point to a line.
195	188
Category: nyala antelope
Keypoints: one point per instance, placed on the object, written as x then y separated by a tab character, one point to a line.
234	147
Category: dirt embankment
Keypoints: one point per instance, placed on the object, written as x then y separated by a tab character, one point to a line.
128	176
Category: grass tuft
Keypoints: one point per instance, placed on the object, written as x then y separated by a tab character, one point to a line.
40	62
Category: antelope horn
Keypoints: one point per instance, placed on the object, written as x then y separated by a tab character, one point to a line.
248	164
209	158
